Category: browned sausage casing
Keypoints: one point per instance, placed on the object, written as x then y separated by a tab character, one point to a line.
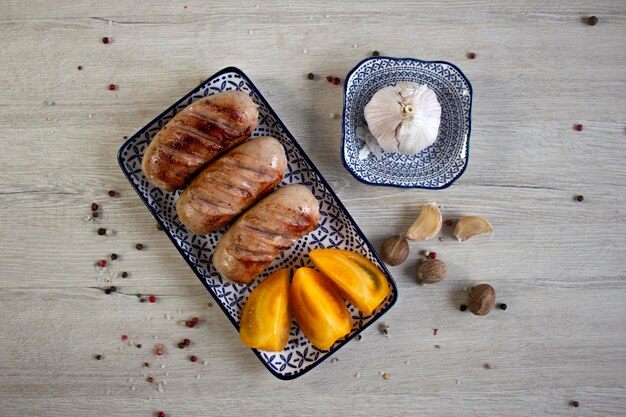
232	183
196	135
264	231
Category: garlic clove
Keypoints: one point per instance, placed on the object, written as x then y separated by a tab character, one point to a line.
427	224
470	226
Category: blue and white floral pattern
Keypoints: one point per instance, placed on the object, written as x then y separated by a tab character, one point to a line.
336	228
437	166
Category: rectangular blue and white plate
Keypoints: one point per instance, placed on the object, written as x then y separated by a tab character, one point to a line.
336	228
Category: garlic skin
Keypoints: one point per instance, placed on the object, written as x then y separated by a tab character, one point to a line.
404	118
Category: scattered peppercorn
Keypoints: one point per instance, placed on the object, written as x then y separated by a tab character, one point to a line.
150	379
359	337
435	331
449	222
503	306
107	291
471	55
463	307
111	193
310	76
579	127
102	263
190	324
112	87
385	375
95	214
113	288
336	81
161	413
124	337
105	40
142	300
158	227
592	21
329	78
193	358
152	298
139	246
187	342
80	67
195	320
114	256
375	53
580	198
575	404
94	207
146	365
98	357
181	345
158	351
433	255
124	275
102	231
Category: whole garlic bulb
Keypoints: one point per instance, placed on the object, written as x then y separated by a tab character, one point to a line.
404	118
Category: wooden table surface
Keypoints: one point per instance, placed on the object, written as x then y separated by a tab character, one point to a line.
558	264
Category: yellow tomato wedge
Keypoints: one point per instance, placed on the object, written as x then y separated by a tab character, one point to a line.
266	317
318	307
360	281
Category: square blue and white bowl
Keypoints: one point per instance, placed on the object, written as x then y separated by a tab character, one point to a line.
437	166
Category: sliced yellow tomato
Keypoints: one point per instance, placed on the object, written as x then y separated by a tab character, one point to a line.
266	317
318	307
360	281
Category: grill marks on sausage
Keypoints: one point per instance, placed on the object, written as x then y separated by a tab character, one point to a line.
268	233
225	185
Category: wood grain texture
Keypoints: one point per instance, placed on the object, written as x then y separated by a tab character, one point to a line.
557	263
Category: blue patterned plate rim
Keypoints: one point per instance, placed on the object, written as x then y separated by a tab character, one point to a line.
343	129
391	281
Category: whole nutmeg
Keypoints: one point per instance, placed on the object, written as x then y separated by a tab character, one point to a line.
481	299
394	250
431	271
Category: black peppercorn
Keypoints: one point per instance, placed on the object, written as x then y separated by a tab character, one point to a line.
181	345
142	300
107	291
575	404
463	307
114	256
146	364
592	21
95	214
113	288
310	76
580	198
139	246
375	53
94	207
138	345
503	306
102	231
158	227
98	357
124	275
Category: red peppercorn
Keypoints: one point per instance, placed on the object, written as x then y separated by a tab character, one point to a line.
102	263
152	298
181	345
448	222
159	351
195	320
579	127
190	323
433	255
161	413
112	87
471	55
124	337
329	79
187	342
112	193
105	40
336	81
193	358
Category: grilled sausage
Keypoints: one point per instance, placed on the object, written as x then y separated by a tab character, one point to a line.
196	135
264	231
232	183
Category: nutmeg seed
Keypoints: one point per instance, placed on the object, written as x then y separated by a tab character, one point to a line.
394	250
481	299
431	271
